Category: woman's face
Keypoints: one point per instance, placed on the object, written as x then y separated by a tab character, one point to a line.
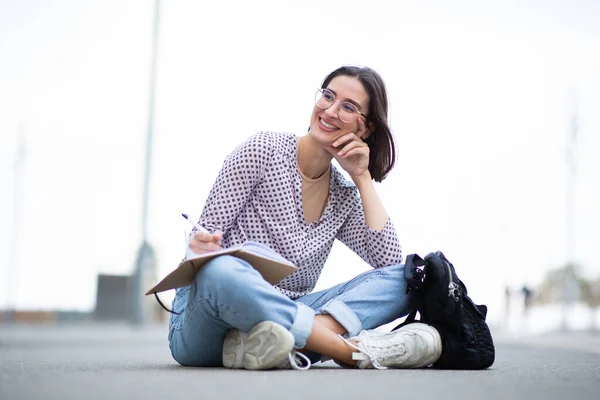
325	125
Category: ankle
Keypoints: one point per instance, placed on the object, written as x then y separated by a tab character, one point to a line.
346	355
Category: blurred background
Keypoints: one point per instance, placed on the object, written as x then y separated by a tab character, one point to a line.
115	117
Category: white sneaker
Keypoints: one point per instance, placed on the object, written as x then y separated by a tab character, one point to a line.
415	345
233	349
268	345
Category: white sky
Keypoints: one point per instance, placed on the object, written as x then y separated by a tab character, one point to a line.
479	105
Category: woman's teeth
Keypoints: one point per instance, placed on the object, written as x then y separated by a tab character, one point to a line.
328	125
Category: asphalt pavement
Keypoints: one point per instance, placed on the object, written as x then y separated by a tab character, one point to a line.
121	362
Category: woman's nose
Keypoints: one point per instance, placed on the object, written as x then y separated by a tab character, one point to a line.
332	111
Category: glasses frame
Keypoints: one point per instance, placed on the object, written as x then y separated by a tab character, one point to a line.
321	92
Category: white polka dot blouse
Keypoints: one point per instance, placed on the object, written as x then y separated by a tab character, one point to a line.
258	196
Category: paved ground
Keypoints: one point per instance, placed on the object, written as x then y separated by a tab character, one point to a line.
118	362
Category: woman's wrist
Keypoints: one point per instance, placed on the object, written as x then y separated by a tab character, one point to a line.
375	215
363	180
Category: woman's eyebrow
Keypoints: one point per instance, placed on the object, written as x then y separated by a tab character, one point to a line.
356	103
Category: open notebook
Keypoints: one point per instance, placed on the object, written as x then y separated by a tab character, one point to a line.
271	265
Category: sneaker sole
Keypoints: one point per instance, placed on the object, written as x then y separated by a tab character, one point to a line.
233	350
437	342
268	345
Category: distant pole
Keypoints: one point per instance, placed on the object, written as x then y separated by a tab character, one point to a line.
145	256
13	261
571	175
568	279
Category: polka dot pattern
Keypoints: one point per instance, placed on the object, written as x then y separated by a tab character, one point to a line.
258	196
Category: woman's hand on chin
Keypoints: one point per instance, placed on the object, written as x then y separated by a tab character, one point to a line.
352	153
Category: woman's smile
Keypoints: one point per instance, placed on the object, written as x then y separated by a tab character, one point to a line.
327	125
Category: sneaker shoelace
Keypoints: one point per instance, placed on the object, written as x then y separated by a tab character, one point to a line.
299	361
365	348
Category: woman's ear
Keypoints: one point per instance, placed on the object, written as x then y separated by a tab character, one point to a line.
370	128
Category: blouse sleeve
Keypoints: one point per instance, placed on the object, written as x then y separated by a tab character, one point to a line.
242	170
377	248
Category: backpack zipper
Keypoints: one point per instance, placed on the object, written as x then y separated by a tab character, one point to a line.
453	289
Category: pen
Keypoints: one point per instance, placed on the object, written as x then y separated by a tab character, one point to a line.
198	227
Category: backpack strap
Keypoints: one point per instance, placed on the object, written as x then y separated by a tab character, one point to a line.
414	271
409	320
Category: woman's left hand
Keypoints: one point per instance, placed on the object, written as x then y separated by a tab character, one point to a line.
352	153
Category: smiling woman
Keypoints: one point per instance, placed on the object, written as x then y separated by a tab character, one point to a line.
283	192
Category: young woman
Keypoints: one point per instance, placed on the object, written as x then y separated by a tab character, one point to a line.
283	192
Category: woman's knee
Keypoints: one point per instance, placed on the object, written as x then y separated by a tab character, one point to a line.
394	275
222	271
395	269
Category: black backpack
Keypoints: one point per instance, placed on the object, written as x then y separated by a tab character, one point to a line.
442	302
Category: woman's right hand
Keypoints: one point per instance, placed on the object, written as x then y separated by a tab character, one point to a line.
205	242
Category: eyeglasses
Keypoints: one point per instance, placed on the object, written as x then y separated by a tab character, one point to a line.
347	112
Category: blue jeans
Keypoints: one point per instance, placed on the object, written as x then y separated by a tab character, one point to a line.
228	293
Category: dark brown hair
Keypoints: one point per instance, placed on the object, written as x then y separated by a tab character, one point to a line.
381	141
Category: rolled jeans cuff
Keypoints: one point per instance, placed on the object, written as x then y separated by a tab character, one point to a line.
302	326
344	316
